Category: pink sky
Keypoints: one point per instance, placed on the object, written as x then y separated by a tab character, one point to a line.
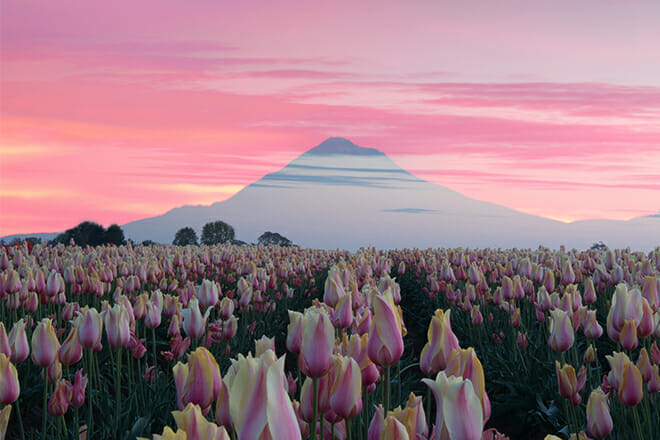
116	111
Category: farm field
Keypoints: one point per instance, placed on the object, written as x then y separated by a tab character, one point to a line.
270	342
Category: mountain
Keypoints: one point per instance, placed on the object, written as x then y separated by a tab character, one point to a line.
340	195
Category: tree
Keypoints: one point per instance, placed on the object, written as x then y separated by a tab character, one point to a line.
114	234
600	246
185	236
273	238
85	234
217	232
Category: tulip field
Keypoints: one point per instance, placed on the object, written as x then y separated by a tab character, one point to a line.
268	342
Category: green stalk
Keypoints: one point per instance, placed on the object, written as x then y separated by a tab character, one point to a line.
386	392
76	425
20	419
153	345
315	390
638	426
45	408
349	434
117	391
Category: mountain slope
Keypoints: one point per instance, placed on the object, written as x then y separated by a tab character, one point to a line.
340	195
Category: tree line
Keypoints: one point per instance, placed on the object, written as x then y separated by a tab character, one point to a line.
219	232
90	233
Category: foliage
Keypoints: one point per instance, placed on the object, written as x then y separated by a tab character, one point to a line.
273	238
90	233
217	232
185	236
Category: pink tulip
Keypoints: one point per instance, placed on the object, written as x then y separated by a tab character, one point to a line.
385	345
58	403
194	323
441	342
90	328
259	404
561	331
599	421
208	294
198	381
4	341
459	414
317	343
78	389
294	332
631	390
45	345
10	387
345	399
117	326
71	350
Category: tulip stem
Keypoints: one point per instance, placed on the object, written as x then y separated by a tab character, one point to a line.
117	391
386	389
315	390
153	345
638	426
45	409
20	419
76	425
349	434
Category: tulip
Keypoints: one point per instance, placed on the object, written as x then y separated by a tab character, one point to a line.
4	341
393	429
459	414
71	350
317	343
626	304
225	308
194	323
208	294
18	342
568	383
90	328
117	326
192	421
294	332
45	345
263	344
345	396
199	380
153	315
592	329
561	331
4	420
259	404
599	421
58	403
628	335
10	387
78	389
343	312
631	390
441	342
385	345
464	363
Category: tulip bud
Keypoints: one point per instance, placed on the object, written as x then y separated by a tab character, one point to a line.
441	342
78	389
116	326
345	398
10	387
59	401
317	343
599	421
45	345
631	390
71	350
90	328
561	331
385	345
18	342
